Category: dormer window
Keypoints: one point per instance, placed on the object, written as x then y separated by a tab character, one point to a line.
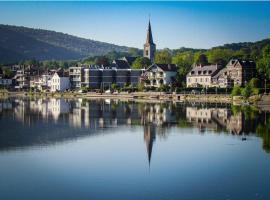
210	72
192	72
199	72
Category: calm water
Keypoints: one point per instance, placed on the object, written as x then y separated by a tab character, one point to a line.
65	149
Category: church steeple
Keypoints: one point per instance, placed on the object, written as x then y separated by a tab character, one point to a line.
149	38
149	46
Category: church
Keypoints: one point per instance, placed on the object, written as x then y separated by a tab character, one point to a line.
156	74
149	48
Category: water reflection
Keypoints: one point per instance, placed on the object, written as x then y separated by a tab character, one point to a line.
46	121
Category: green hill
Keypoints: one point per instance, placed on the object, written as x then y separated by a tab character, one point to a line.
20	43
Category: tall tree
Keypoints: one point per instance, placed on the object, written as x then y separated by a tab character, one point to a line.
141	62
263	64
202	60
163	57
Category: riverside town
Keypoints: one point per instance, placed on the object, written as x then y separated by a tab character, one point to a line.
134	100
151	76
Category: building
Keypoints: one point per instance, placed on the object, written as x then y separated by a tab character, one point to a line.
236	72
159	74
201	76
149	48
97	77
60	81
23	76
75	75
5	81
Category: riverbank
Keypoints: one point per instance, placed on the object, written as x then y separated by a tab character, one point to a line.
125	95
260	101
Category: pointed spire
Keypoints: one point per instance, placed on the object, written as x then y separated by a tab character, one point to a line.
149	38
149	137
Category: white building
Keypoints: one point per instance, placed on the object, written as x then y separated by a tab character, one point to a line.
60	81
159	74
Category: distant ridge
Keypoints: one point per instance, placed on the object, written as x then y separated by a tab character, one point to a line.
20	43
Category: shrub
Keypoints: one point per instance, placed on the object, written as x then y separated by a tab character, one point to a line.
236	91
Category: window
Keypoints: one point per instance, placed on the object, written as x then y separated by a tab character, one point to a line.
146	52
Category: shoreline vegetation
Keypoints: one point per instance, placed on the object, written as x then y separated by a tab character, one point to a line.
261	100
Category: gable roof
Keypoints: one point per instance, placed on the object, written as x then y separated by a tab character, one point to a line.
61	72
243	63
209	70
120	64
129	59
164	67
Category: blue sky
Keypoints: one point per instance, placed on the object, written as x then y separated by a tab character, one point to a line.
174	24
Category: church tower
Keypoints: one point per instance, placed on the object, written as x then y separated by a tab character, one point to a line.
149	46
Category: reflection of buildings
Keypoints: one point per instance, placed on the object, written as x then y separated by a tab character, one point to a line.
94	116
217	119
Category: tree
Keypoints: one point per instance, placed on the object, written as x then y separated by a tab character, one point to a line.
114	87
183	62
219	56
141	62
135	52
254	84
8	73
263	64
247	91
202	60
236	91
140	87
163	57
102	61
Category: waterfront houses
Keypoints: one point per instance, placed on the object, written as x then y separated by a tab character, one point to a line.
236	72
159	74
60	81
201	76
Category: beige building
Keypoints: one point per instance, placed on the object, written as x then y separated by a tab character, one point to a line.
201	76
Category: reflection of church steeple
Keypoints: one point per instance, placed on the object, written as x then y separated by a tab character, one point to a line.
149	138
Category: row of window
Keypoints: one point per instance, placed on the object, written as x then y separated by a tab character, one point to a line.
199	80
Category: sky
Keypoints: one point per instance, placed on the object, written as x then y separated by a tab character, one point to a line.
174	24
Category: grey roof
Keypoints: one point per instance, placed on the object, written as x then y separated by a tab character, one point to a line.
129	59
243	63
120	64
207	70
164	67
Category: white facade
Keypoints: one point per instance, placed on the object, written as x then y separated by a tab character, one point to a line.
158	75
59	83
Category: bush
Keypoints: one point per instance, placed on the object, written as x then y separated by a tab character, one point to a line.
247	91
236	91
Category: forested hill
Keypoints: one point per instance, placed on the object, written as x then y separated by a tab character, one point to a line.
20	43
